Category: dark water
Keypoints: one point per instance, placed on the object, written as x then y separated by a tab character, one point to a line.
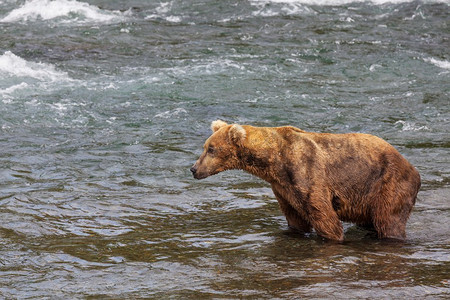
104	106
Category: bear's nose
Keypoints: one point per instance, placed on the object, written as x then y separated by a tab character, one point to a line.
193	170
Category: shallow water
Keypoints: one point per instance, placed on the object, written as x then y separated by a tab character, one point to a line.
104	106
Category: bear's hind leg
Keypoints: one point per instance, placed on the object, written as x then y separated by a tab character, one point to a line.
392	228
393	203
390	223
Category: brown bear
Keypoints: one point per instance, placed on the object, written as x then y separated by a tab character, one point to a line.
319	178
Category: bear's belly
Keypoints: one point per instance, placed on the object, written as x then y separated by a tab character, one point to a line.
351	212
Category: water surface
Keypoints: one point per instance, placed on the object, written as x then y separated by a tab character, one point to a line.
104	106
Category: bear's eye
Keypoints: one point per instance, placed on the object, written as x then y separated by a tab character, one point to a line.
210	149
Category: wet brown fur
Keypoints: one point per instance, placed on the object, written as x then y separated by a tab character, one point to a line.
320	178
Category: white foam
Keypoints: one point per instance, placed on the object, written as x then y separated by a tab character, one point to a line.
410	126
7	93
47	9
171	113
285	7
173	19
337	2
162	12
444	64
374	67
12	65
13	88
209	67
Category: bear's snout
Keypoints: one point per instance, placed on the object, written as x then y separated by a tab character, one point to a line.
193	170
197	174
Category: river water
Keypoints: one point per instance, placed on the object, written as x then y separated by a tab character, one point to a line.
104	106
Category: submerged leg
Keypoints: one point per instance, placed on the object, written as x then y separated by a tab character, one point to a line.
328	225
390	216
324	218
295	221
392	226
394	201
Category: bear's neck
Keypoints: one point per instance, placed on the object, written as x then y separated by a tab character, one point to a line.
260	166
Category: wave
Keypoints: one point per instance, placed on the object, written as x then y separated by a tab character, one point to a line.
67	9
444	64
171	113
7	92
18	75
271	8
163	12
410	126
285	7
12	65
336	2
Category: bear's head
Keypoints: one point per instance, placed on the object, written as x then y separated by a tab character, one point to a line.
220	150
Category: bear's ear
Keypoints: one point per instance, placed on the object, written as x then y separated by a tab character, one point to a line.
237	134
216	125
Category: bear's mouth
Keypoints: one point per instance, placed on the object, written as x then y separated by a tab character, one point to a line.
199	176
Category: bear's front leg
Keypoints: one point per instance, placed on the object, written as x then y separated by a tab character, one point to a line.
295	221
324	219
